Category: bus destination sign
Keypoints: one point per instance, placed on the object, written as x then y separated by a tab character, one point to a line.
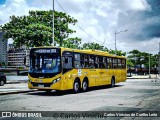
45	50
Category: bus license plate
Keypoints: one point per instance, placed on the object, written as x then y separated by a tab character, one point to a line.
40	85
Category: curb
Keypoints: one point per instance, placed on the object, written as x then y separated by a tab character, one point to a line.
142	78
18	81
16	92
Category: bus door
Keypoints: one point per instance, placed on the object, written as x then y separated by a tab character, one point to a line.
67	65
89	63
99	72
119	69
104	71
124	72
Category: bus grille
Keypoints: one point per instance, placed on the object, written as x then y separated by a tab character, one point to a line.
45	84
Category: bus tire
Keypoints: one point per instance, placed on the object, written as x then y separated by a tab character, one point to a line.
76	86
48	91
85	85
112	82
2	82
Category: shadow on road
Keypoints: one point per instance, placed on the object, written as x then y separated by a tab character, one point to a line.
68	92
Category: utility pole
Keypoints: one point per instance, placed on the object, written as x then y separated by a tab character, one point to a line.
149	66
53	26
116	41
115	44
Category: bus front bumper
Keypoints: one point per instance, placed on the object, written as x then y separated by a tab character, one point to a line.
55	85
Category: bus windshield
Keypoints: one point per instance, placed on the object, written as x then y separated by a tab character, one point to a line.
45	63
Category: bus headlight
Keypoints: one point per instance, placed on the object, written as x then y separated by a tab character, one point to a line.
56	80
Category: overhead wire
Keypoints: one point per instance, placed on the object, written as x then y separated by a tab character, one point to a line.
82	28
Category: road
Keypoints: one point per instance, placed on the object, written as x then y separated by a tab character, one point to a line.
132	95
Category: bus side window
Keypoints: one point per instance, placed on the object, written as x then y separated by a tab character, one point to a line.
67	62
77	60
96	62
91	61
110	62
120	63
100	62
86	61
82	60
123	64
104	63
115	62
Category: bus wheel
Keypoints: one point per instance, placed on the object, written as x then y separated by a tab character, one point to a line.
84	85
112	82
76	86
48	91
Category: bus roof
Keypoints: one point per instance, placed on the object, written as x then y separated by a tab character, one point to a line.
87	51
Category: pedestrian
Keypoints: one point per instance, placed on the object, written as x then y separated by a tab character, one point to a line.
136	71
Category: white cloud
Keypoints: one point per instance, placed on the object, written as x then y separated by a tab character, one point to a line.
149	46
138	4
21	7
100	19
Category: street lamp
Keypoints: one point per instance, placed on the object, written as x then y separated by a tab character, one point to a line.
149	66
115	39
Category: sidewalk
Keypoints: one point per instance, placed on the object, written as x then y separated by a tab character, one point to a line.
152	76
14	87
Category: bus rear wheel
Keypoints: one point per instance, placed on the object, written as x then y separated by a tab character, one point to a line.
85	85
76	86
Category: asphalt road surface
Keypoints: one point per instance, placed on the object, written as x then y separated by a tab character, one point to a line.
132	95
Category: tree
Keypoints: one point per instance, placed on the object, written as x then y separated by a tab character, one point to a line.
36	28
93	46
137	58
62	30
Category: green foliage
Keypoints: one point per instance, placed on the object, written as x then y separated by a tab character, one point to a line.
129	63
137	58
62	30
93	46
96	46
36	28
74	43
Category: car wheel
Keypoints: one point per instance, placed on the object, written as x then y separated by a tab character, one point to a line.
2	82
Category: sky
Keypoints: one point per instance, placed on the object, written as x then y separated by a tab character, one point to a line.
98	20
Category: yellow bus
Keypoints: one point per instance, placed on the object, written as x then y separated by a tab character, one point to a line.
53	68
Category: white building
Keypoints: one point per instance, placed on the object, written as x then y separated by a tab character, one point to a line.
3	49
16	56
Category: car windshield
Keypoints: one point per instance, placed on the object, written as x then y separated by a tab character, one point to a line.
45	63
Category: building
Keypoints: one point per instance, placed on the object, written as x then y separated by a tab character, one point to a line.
16	56
3	49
